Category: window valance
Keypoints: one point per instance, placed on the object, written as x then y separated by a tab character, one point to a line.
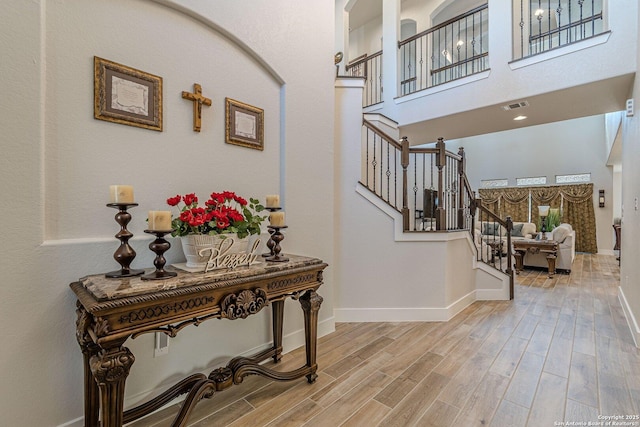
574	201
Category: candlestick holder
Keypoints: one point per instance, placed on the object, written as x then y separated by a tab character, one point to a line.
277	237
270	243
159	246
125	254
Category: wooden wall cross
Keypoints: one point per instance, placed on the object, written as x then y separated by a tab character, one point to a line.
198	102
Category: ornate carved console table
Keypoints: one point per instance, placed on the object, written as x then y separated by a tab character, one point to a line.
112	310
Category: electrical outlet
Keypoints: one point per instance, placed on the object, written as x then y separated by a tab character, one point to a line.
162	344
636	203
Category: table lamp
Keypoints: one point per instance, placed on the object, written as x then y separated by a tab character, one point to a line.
543	211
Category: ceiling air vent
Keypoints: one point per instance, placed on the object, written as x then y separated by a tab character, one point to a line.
515	105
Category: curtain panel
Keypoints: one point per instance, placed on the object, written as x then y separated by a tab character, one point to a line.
575	202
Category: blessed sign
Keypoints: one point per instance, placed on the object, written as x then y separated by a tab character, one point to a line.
222	258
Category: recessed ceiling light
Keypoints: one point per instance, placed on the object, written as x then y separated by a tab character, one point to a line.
519	118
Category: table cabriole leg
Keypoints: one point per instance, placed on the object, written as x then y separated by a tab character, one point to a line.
110	368
551	260
277	308
89	349
310	303
91	390
519	261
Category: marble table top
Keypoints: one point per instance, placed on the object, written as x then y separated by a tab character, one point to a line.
106	289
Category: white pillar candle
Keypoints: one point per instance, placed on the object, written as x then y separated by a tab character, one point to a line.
277	219
273	201
160	220
121	194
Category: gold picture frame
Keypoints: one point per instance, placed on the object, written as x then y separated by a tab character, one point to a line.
244	124
127	96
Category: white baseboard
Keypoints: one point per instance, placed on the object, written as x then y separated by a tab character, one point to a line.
631	320
492	294
606	252
78	422
416	314
290	342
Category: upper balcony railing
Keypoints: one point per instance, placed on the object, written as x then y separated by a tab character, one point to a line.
369	67
451	50
542	25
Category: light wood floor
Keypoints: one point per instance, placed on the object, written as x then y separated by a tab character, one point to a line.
561	351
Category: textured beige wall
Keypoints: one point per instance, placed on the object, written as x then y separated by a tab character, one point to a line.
58	161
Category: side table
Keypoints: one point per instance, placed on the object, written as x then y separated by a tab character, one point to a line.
549	247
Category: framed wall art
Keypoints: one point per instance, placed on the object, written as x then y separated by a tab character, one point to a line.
127	96
244	124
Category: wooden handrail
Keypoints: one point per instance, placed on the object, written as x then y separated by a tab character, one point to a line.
383	135
363	60
423	150
442	25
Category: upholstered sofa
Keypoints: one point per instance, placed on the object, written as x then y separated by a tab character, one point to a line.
566	238
487	233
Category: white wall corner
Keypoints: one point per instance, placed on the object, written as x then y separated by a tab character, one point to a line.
631	319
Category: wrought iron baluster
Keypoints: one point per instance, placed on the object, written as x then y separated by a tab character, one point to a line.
466	44
367	154
407	68
422	81
582	30
473	41
378	86
371	72
549	23
424	185
452	52
593	21
388	173
374	163
569	28
522	28
395	177
415	189
539	18
481	34
559	12
381	162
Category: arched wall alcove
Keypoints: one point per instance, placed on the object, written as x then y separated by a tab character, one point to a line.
83	156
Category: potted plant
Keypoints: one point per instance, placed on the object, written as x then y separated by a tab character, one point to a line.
224	215
553	220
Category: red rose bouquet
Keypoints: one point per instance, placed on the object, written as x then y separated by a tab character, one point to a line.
223	213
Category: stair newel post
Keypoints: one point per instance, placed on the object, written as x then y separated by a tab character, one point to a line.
473	207
461	171
509	222
441	160
405	190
